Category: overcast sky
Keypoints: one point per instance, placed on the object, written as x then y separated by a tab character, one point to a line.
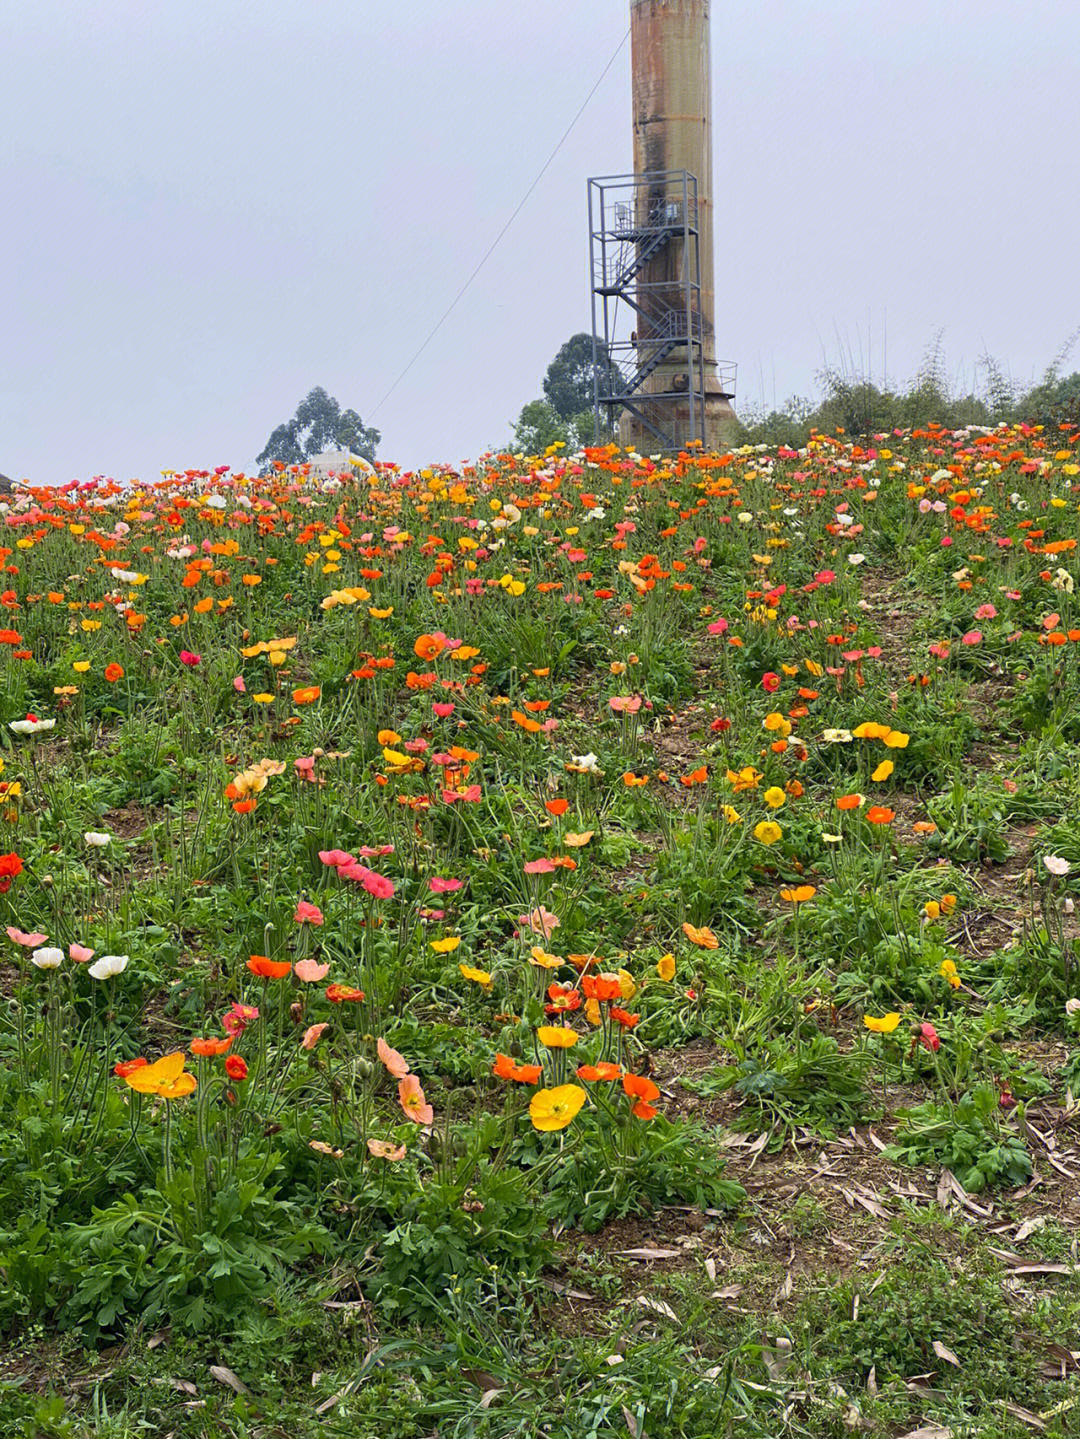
208	208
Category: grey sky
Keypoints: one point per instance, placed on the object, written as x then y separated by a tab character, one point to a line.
210	208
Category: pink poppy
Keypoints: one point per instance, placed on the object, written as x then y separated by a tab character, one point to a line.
539	866
335	857
312	1035
540	921
438	885
189	659
396	1063
80	954
465	796
308	913
411	1098
28	941
442	709
239	686
310	970
378	885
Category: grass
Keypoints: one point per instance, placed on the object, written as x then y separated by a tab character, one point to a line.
359	777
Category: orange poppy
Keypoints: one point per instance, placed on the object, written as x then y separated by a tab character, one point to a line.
602	1071
878	814
506	1068
703	937
268	968
210	1047
642	1091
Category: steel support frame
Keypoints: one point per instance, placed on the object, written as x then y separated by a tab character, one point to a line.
615	275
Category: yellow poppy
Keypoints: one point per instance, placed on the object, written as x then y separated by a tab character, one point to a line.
166	1078
551	1109
478	976
665	968
447	945
556	1036
885	1025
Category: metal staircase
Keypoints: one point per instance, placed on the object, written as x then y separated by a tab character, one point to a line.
633	221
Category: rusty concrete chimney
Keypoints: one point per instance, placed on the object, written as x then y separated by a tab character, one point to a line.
672	131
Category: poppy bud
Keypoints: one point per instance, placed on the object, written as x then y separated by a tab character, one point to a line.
296	1013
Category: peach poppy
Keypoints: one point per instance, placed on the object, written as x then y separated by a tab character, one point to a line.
412	1101
310	970
312	1035
383	1149
396	1064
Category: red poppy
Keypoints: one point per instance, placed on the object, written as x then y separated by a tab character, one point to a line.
927	1035
344	993
129	1066
235	1067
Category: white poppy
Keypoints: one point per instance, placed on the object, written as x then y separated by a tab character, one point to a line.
48	958
30	725
585	762
96	840
108	966
1056	865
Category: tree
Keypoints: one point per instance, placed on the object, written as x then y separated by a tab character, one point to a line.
319	424
568	384
566	412
538	426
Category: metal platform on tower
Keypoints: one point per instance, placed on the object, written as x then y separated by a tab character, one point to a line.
644	259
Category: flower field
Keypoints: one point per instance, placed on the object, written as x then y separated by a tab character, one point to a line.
580	945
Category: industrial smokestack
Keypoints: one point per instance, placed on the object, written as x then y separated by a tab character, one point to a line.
672	131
